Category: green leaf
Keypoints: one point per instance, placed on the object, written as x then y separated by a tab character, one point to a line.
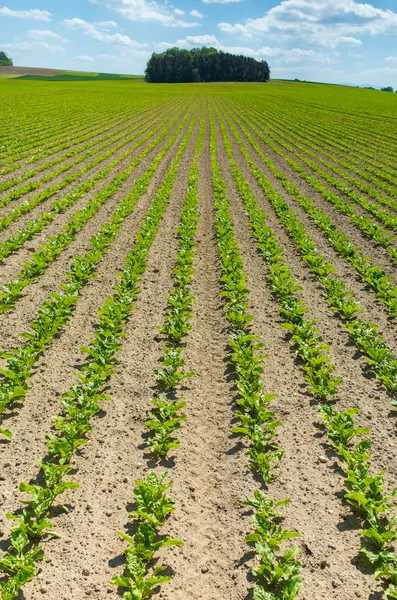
6	432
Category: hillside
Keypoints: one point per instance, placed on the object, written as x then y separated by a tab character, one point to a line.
39	73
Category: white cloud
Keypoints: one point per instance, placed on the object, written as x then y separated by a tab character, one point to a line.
146	10
238	29
20	44
44	34
196	13
328	23
106	24
50	47
17	46
391	59
220	1
198	40
94	31
179	12
280	55
32	14
82	58
344	40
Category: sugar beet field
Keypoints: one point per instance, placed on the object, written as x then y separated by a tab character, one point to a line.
198	342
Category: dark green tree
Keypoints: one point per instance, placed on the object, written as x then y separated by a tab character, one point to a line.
204	64
5	61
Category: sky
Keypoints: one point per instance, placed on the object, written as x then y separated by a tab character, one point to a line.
337	41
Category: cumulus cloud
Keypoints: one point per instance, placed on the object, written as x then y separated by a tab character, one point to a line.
328	23
197	40
196	13
344	40
391	59
44	34
33	14
146	10
98	32
106	24
280	55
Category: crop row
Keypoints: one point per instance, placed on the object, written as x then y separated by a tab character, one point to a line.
373	275
363	333
16	241
81	134
321	135
142	576
123	134
35	121
43	141
82	402
62	124
309	142
94	135
366	491
382	215
372	131
55	313
277	573
363	222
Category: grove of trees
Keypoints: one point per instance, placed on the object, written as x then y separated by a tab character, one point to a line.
204	64
5	61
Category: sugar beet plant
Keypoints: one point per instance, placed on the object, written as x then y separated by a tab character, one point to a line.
343	175
16	241
366	491
95	142
78	220
54	313
373	275
165	417
364	334
153	507
277	574
142	577
81	403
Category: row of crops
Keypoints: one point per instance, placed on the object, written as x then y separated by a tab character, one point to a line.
116	205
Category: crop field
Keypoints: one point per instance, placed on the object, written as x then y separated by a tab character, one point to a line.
198	383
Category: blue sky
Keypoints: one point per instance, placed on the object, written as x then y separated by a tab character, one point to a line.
341	41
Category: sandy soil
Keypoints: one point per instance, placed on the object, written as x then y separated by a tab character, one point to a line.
209	471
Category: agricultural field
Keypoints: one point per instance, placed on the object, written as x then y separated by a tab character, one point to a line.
198	382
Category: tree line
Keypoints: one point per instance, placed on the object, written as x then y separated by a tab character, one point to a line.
204	64
5	61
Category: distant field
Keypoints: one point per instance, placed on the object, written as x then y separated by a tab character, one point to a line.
198	321
38	74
